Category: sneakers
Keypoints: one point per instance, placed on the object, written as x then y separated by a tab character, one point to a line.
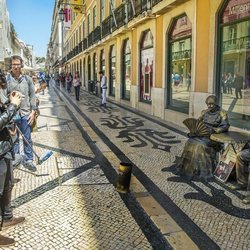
30	166
13	221
6	241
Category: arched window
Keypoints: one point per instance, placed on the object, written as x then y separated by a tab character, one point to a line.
146	66
95	67
179	67
126	69
233	78
112	70
89	68
80	67
102	61
84	72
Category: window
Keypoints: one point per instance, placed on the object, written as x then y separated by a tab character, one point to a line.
112	70
233	78
146	66
89	69
102	61
88	24
179	67
126	70
102	3
83	30
94	67
94	17
111	6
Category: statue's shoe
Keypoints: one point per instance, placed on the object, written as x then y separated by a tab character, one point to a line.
238	186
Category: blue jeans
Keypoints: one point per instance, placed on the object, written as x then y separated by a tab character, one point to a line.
26	131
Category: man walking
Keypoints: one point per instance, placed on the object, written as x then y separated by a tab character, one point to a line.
16	81
103	80
238	84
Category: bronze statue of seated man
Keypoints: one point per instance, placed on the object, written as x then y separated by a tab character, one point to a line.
199	154
242	172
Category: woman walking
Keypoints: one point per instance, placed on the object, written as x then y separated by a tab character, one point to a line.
77	84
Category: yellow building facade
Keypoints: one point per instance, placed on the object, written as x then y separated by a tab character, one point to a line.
164	57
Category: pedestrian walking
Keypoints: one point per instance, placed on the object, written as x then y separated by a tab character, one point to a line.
103	80
77	84
68	80
16	81
238	84
6	158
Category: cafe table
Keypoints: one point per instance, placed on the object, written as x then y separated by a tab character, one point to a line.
233	138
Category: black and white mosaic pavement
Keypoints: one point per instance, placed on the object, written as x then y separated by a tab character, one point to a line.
71	202
209	212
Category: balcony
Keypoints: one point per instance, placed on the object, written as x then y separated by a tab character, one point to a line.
120	16
84	44
97	34
237	44
141	6
90	39
106	27
181	55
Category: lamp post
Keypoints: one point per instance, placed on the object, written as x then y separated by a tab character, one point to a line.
61	19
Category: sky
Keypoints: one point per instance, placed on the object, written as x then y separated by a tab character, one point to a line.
32	21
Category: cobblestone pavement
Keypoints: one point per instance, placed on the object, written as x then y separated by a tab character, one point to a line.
71	202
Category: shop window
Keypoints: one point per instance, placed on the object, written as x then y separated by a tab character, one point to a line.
112	70
146	66
126	69
233	84
179	67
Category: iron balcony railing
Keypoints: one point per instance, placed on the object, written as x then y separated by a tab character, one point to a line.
85	44
109	25
237	44
141	6
106	26
80	47
90	39
181	55
97	34
120	16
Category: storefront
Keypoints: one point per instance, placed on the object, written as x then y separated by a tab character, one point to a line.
180	54
233	84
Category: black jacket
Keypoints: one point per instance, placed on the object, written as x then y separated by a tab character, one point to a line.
6	116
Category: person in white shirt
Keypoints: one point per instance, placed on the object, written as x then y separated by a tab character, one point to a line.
103	80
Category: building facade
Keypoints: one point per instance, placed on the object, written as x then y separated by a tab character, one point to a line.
164	57
5	34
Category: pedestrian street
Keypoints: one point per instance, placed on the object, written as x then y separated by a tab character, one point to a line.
71	201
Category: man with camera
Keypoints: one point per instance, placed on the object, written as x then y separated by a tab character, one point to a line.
16	81
7	112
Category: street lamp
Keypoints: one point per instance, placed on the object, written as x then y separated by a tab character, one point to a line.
61	14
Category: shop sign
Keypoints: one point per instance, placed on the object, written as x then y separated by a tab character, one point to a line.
236	10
